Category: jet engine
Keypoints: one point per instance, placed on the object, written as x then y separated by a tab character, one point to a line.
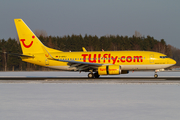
111	70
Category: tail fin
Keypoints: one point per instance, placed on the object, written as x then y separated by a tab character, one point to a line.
29	42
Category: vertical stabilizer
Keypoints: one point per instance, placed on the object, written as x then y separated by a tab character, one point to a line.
29	42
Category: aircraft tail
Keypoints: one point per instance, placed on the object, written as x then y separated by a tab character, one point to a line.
29	42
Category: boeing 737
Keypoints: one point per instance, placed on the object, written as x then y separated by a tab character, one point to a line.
95	62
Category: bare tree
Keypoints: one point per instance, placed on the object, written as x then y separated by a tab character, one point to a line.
137	34
39	33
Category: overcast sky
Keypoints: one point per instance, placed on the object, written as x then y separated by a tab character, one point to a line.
157	18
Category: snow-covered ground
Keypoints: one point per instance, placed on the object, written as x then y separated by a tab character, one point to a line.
88	101
83	101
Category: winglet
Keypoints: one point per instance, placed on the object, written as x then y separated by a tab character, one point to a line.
84	49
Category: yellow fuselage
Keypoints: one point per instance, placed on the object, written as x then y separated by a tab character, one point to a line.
129	60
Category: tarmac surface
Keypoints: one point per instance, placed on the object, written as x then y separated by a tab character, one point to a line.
74	77
169	80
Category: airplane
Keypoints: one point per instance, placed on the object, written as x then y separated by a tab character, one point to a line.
95	62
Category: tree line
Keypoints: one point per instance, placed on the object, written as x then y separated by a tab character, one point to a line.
76	42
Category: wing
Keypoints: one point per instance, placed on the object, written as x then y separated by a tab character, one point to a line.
80	66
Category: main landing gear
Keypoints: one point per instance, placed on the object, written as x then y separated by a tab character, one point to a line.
93	75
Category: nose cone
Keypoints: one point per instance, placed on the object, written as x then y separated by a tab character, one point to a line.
172	61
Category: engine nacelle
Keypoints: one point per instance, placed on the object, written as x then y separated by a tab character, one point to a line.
109	70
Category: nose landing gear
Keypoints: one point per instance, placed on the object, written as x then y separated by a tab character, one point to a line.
155	75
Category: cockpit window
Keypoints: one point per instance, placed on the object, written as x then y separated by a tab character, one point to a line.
163	57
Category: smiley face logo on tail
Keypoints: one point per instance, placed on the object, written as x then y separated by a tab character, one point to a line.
27	46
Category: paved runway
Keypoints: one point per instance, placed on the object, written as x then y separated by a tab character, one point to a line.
169	80
74	77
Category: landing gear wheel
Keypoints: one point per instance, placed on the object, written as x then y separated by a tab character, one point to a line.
96	75
155	75
90	75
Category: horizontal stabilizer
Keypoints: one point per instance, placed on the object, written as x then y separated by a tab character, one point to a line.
20	55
